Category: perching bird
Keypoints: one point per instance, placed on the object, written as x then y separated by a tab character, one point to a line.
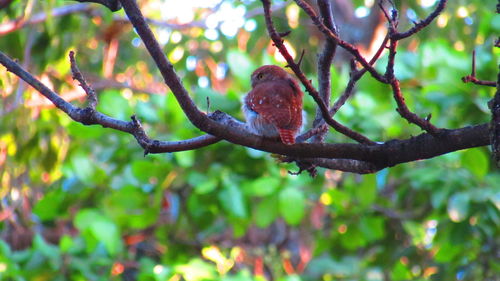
274	105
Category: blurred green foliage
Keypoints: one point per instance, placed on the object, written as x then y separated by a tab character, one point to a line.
82	203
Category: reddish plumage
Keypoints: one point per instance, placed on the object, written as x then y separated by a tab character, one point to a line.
274	105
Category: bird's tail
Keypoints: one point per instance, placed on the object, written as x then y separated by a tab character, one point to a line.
287	136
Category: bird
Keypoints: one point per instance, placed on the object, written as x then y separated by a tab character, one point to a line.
273	108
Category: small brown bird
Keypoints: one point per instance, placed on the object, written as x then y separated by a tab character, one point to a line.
274	105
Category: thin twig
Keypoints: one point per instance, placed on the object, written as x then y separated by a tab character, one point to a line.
355	76
348	47
278	42
389	75
472	77
77	75
421	24
89	116
407	114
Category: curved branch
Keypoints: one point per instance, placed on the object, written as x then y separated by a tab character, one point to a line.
472	76
382	155
278	42
221	125
421	24
348	47
355	76
89	116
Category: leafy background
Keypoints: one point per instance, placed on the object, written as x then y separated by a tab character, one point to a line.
83	203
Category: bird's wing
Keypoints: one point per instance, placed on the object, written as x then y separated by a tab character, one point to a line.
272	101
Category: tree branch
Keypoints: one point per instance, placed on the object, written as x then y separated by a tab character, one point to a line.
421	24
278	42
472	77
89	116
383	155
402	109
495	122
359	158
348	47
355	76
325	59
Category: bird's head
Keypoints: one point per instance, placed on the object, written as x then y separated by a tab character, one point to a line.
268	73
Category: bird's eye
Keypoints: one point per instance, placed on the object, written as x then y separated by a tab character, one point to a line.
260	75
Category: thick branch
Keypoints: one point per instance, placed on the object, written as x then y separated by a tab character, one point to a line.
325	60
495	122
221	125
381	155
345	165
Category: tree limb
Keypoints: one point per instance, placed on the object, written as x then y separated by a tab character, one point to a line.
359	158
278	42
89	116
325	59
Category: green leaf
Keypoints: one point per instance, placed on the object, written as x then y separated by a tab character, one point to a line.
476	161
458	206
262	186
201	183
372	228
196	270
49	207
417	232
82	166
232	200
447	252
51	252
101	228
130	207
400	272
366	193
111	102
185	158
144	170
241	65
66	243
292	205
266	211
146	112
353	238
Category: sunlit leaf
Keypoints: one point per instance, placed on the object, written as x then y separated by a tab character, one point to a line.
232	200
458	206
292	205
101	228
476	161
262	186
266	211
241	65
